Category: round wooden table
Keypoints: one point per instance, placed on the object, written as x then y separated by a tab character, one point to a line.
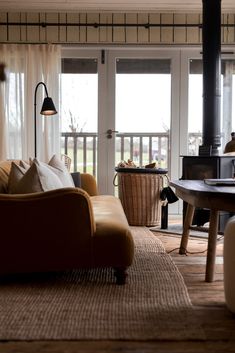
196	193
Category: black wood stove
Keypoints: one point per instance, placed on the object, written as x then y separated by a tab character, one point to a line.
203	167
209	164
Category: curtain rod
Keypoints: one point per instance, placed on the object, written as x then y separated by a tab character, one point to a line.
96	25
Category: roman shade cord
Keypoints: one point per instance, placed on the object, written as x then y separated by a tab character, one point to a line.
97	25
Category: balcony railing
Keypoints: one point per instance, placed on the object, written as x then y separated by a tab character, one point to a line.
142	148
81	147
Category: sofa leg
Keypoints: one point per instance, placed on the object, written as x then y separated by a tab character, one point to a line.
120	274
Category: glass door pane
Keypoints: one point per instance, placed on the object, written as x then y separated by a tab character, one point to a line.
195	103
195	106
79	112
143	111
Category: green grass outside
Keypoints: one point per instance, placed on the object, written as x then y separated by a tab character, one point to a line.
89	157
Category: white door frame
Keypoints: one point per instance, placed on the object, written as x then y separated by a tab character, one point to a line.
174	56
106	103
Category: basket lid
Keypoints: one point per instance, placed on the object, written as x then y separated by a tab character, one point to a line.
141	170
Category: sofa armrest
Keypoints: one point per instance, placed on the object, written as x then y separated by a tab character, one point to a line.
88	183
85	181
71	204
48	230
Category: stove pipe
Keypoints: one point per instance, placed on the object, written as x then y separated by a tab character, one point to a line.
211	35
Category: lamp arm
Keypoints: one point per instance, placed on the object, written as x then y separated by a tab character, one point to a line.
35	114
36	88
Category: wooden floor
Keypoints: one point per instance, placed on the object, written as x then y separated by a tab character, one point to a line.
207	298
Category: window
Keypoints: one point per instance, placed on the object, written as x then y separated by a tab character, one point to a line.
195	103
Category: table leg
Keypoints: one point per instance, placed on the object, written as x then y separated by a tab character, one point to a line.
187	224
212	241
164	217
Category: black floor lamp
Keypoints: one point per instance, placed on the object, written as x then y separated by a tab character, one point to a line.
48	108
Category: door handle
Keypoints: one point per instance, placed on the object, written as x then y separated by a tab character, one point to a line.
110	132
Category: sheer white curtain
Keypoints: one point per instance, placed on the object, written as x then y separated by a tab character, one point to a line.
27	65
3	125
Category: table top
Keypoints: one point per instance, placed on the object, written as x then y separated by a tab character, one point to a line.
202	187
199	194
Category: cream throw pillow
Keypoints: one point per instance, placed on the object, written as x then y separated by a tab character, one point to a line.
58	167
61	171
16	174
24	165
37	178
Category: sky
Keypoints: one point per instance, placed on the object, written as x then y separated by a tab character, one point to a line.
142	102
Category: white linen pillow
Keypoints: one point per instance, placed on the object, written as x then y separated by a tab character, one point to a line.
57	167
16	174
38	178
61	171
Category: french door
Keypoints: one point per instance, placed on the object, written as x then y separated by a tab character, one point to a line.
125	104
142	110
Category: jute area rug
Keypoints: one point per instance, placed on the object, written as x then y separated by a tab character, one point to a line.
88	305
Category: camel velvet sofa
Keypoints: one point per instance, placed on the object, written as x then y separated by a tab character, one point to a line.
63	229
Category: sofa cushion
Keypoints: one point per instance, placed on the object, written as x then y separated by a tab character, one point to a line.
37	178
3	181
5	167
112	239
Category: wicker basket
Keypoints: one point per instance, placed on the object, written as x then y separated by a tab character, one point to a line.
140	197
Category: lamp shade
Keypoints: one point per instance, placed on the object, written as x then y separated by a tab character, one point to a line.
48	107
